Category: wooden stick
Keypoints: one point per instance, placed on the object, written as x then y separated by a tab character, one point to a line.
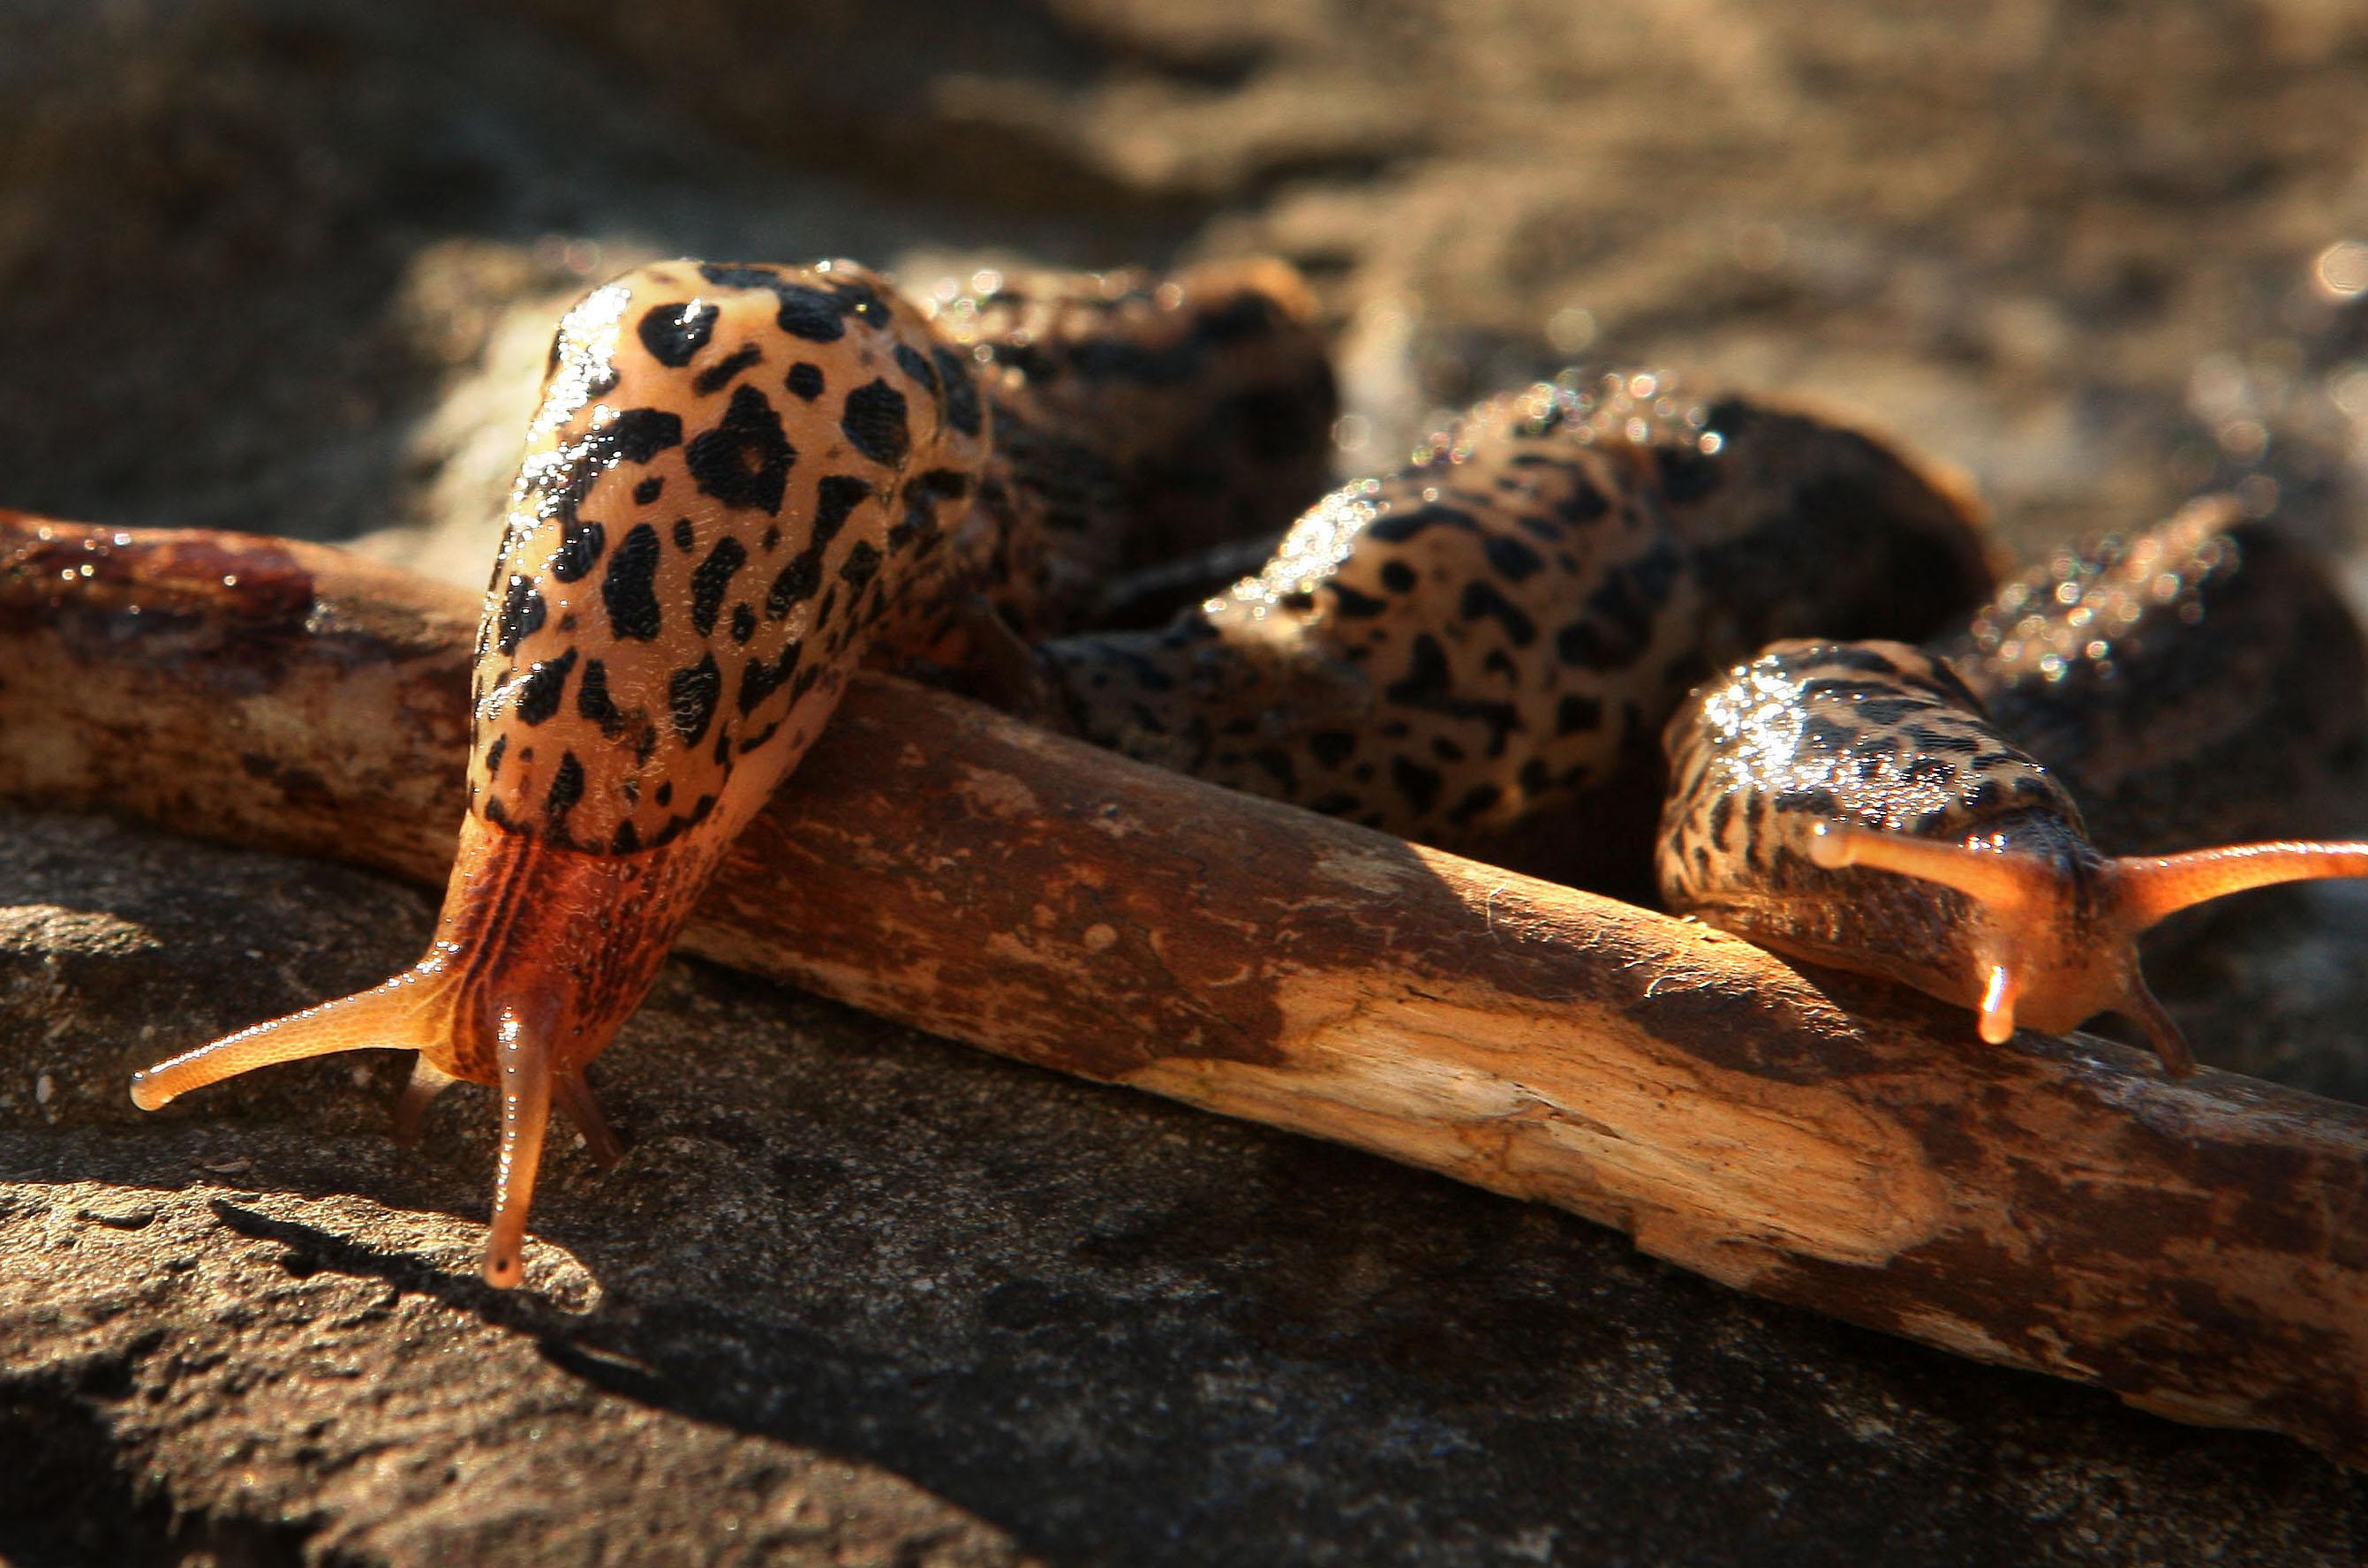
2199	1248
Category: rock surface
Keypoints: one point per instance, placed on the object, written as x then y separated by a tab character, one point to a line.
857	1296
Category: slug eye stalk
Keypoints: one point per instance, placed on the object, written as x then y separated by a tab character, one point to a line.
2058	939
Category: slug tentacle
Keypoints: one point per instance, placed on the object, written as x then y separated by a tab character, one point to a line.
420	1092
1998	996
526	1113
2060	944
2155	887
405	1013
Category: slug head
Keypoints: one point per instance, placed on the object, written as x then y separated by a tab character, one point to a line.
524	983
2056	942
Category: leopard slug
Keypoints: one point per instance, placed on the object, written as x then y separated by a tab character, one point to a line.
1856	804
740	478
1478	650
742	481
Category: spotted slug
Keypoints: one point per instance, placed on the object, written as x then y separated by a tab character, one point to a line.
1478	650
1858	804
742	481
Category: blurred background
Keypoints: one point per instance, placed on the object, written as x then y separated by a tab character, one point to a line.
289	265
292	265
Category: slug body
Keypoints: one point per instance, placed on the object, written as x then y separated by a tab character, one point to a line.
1856	805
2200	679
740	480
1478	650
1138	419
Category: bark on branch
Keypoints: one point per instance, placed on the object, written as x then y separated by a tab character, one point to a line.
2199	1248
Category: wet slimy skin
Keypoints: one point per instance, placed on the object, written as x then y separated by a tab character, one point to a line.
1478	650
1855	804
2200	679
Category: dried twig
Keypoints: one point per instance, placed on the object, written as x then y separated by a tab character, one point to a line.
2199	1248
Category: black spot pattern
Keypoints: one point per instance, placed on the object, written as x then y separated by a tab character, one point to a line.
708	581
796	584
1332	747
684	536
691	693
648	490
961	392
1482	602
922	494
1617	626
640	434
1405	525
745	461
579	550
1418	785
814	314
567	788
1478	798
759	678
1583	505
1430	685
862	563
718	376
1277	764
874	423
523	612
539	694
674	334
629	591
916	364
835	498
1510	557
805	380
810	313
593	701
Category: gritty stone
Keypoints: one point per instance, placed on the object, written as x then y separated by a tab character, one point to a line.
856	1295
